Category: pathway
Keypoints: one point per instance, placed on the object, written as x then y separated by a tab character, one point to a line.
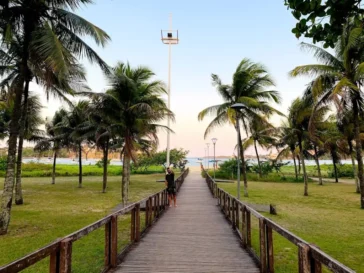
194	237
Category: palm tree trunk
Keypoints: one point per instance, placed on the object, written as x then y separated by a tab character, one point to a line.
358	151
318	165
335	168
305	180
351	150
256	152
80	166
7	195
295	165
106	155
125	178
243	167
18	189
54	167
299	164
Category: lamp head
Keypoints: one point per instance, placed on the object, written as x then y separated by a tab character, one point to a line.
237	106
214	140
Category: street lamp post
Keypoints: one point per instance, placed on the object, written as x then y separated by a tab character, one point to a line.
169	37
237	107
208	155
214	140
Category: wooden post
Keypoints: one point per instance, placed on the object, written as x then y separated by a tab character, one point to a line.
263	244
248	229
243	227
304	263
54	262
237	209
270	252
132	225
107	244
114	241
233	221
150	211
156	211
147	213
65	259
137	222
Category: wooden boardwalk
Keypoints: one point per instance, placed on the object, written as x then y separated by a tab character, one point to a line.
194	237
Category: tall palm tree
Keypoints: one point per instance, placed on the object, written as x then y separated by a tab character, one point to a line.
248	87
55	139
99	129
287	143
339	79
72	125
30	132
262	133
346	127
51	30
135	107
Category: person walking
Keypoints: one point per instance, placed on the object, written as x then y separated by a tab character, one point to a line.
171	187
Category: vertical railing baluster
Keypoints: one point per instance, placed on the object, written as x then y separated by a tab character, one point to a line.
263	245
137	222
270	252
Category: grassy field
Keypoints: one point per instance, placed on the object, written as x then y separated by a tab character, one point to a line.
345	170
329	217
45	170
53	211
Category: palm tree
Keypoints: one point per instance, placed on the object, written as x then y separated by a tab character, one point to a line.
287	143
99	129
339	78
248	87
53	32
30	132
346	127
135	106
262	133
72	124
55	139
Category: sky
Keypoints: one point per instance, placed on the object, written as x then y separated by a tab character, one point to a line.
214	37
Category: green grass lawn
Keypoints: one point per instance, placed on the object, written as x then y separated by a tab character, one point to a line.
54	211
326	170
329	217
45	170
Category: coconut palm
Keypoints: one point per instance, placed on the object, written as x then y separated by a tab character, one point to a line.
248	87
100	130
30	132
53	32
287	143
55	139
135	107
346	127
262	133
72	125
339	78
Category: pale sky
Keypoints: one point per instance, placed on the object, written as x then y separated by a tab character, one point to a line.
214	37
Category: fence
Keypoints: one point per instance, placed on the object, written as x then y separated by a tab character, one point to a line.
60	251
310	257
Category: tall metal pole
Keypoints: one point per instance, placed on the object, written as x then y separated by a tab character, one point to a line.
208	156
238	157
214	160
169	91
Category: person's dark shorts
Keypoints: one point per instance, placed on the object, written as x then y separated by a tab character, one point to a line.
171	191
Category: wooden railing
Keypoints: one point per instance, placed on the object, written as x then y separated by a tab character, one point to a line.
60	251
310	257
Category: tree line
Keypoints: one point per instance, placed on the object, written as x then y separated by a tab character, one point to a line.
327	120
42	42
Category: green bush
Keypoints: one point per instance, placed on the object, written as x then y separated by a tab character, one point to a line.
343	170
3	163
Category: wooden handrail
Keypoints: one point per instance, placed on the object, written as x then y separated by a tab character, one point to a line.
60	251
310	257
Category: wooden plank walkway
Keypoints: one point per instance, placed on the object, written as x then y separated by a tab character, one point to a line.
194	237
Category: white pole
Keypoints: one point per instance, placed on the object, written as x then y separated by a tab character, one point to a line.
169	91
208	156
